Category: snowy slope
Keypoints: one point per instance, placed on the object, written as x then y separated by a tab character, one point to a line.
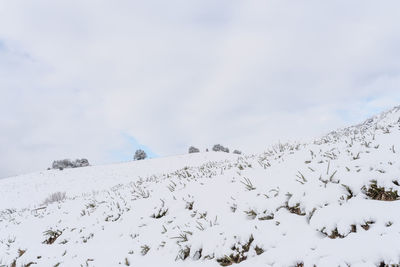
333	202
77	181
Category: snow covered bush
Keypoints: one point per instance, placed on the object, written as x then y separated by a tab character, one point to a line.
61	164
237	152
193	149
140	154
55	197
67	163
81	163
219	147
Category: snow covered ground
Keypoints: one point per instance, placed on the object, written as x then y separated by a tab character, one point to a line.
332	202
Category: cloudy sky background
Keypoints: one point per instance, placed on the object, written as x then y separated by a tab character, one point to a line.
99	79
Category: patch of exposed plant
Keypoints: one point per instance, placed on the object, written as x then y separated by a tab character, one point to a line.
139	192
251	214
184	253
247	183
239	253
189	205
333	234
295	209
55	197
349	192
383	264
145	249
266	216
52	236
380	193
183	237
366	225
161	212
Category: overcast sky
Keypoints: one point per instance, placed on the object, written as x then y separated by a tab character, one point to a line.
98	79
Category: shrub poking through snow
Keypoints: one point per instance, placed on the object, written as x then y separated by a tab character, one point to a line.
259	250
193	149
139	192
189	205
145	249
247	183
367	224
21	252
295	209
197	255
333	235
238	255
251	214
380	193
140	155
183	253
161	212
183	237
52	236
266	216
349	192
55	197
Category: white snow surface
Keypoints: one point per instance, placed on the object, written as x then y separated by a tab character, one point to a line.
293	205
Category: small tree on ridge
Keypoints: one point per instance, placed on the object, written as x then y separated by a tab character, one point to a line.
139	155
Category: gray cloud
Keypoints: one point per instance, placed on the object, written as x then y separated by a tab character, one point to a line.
75	77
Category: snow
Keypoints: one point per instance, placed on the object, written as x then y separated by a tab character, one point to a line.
295	204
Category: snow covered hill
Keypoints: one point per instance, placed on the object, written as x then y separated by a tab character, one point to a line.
333	202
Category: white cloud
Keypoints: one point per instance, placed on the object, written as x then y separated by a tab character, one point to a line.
78	75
